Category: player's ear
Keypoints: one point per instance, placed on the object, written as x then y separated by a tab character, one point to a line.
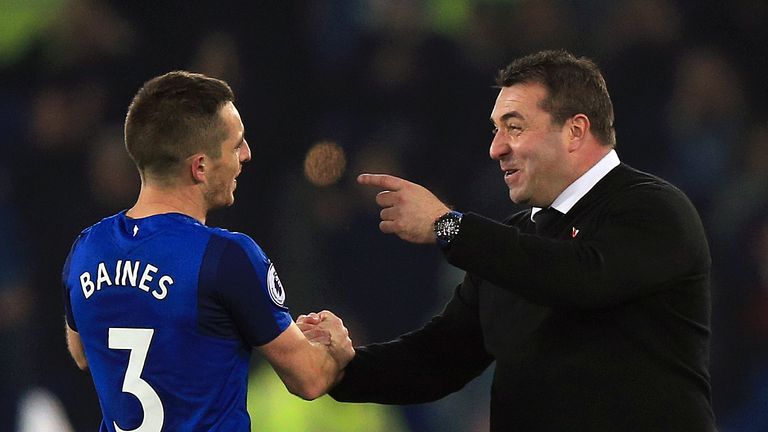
198	168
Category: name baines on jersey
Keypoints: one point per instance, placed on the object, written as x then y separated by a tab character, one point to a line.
168	311
126	273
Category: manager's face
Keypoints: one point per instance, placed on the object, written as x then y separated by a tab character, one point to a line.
531	151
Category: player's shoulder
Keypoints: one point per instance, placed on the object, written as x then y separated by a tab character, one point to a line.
101	224
100	228
233	236
241	240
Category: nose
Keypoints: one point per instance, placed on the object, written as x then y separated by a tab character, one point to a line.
499	146
245	152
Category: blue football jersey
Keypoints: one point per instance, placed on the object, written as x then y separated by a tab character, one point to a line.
168	310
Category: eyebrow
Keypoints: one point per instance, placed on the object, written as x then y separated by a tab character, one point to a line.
509	115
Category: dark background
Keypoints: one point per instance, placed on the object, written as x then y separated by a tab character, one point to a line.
403	87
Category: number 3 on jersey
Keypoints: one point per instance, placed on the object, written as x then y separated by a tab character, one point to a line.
137	341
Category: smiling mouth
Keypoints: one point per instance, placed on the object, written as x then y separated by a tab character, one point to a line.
510	172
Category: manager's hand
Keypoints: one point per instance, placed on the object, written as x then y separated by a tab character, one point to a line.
328	329
408	209
308	324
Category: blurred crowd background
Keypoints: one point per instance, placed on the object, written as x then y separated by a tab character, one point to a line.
397	86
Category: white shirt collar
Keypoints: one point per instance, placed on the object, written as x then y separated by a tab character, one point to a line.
573	193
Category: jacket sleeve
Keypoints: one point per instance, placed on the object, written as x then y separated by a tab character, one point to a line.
424	365
647	239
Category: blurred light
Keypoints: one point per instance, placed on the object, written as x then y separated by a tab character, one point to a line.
22	23
325	163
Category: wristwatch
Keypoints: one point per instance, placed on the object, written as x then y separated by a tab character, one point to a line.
447	227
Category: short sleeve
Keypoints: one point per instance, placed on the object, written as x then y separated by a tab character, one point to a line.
65	291
238	276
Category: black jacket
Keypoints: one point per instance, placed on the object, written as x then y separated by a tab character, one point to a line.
603	327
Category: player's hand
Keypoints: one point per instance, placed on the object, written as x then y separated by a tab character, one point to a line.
408	209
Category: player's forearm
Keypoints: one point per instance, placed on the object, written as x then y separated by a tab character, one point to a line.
309	368
313	379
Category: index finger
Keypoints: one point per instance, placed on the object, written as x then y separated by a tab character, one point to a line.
384	181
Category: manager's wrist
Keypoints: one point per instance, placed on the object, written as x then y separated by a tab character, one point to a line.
447	227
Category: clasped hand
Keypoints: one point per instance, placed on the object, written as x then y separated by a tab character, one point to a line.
327	329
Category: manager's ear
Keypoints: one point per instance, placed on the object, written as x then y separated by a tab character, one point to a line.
197	168
579	127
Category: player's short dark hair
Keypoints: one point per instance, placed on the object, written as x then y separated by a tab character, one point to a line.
574	86
172	117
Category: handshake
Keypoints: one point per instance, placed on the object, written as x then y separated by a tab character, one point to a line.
325	328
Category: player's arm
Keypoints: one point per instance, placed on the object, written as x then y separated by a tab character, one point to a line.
239	278
310	369
75	346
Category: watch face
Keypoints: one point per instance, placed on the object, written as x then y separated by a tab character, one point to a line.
446	227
